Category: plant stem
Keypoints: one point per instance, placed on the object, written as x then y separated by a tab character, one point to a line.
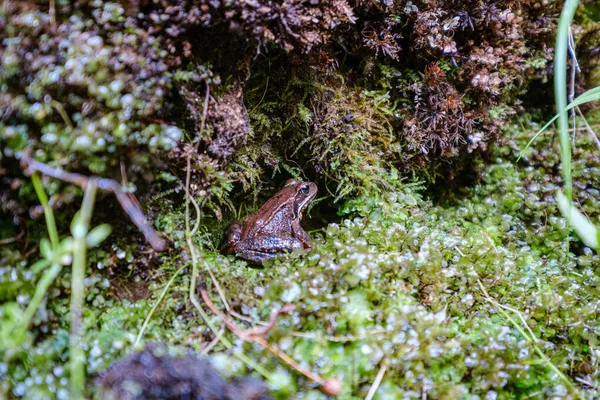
48	213
156	303
560	91
79	230
40	291
52	272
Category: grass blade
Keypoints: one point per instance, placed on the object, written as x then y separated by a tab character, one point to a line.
560	91
586	231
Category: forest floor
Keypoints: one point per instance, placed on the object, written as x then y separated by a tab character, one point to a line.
476	292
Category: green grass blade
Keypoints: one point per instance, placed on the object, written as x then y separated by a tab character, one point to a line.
587	97
560	91
586	231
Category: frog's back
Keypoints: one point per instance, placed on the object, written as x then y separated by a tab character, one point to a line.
271	217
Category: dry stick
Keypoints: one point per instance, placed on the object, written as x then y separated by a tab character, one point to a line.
586	382
376	382
589	129
574	70
330	387
12	239
204	113
52	12
214	342
136	215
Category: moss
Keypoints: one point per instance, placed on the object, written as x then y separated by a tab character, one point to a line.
353	90
395	283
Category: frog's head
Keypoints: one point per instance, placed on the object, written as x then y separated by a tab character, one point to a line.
304	193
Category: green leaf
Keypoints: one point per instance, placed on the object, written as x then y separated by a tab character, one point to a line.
586	231
65	246
98	234
40	265
46	249
77	228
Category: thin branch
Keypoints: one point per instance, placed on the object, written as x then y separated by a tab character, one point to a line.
204	113
135	213
52	12
12	239
376	382
214	342
589	129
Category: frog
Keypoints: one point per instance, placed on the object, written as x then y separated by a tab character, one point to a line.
275	227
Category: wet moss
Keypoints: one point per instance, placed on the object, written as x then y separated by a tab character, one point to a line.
397	282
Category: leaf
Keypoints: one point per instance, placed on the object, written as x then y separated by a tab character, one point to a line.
40	265
586	231
65	246
46	249
77	230
98	234
589	96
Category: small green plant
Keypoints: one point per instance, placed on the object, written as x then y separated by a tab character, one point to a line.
57	253
587	231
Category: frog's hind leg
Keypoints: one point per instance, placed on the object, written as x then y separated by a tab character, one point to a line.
266	249
256	257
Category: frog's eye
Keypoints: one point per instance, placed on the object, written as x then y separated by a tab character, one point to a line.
304	189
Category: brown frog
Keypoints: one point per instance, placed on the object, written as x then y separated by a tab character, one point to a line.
275	227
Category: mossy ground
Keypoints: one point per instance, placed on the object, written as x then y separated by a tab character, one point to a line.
397	283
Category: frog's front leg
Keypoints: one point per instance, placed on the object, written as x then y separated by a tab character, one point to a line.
301	235
267	248
232	237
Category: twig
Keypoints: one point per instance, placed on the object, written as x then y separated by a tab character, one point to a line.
331	387
12	239
204	113
244	318
136	215
214	342
589	129
586	382
52	12
376	382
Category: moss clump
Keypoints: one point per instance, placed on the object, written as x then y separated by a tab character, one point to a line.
352	90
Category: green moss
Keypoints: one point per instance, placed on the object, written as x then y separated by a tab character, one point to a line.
395	283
